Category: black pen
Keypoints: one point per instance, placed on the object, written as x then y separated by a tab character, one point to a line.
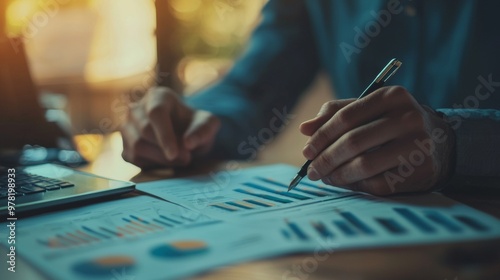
379	82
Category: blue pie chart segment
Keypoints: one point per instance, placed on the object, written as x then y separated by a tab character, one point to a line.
180	249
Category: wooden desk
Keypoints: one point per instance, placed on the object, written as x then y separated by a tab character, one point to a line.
472	260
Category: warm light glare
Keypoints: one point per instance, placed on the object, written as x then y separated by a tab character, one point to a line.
196	73
213	32
124	42
183	6
102	40
17	13
91	40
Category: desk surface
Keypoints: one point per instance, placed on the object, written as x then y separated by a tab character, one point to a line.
472	260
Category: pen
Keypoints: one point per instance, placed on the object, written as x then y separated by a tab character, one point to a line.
377	83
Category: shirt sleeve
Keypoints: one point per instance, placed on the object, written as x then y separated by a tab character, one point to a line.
477	148
255	98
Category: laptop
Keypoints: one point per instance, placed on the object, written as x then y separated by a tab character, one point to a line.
28	139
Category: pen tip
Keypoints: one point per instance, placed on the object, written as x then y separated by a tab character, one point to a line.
294	182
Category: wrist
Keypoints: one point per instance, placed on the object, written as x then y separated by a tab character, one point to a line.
445	150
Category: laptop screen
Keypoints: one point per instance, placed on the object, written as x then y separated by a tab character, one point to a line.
21	117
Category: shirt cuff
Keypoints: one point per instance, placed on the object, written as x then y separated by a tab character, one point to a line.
477	147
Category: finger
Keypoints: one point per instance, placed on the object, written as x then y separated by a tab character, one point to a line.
355	114
135	148
355	142
395	181
159	109
139	120
202	130
325	113
371	163
147	155
204	148
146	163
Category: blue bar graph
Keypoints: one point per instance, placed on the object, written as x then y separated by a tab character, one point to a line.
140	220
111	232
163	223
224	207
283	193
297	230
264	196
286	234
357	223
258	203
238	205
440	219
314	193
89	230
345	228
471	223
415	220
391	225
322	229
66	241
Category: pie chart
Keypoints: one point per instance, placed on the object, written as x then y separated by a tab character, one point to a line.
104	266
180	249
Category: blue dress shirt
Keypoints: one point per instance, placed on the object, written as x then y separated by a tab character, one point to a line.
451	62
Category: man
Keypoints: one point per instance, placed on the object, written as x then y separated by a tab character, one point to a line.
385	143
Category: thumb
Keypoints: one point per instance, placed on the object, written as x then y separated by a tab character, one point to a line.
202	130
325	113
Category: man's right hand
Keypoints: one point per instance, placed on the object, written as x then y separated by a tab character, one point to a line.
162	131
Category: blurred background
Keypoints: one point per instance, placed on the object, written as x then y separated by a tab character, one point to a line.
90	57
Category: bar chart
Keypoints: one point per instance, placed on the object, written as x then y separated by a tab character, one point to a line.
258	190
104	266
182	248
128	226
395	222
115	223
260	193
357	224
216	220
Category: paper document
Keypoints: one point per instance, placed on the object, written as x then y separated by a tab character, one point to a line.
224	219
229	193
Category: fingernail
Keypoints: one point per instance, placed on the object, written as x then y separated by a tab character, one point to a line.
310	151
312	174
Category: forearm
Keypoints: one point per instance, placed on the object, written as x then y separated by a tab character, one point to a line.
247	120
261	89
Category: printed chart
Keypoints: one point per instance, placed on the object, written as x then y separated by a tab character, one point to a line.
257	189
148	238
394	222
335	225
106	224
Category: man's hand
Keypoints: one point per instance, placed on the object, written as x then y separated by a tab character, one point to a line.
381	144
163	131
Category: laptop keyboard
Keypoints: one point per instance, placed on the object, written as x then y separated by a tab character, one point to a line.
27	183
